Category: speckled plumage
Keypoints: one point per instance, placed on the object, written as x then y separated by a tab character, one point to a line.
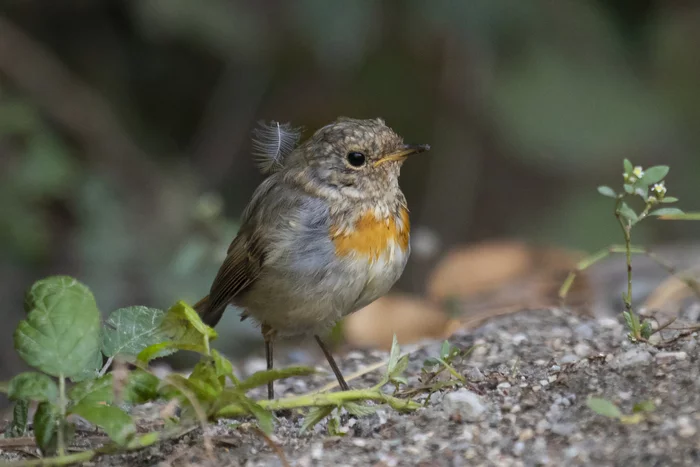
320	238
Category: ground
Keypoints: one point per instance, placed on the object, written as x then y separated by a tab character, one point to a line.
529	378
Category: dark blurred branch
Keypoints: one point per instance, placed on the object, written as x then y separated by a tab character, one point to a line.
225	124
72	105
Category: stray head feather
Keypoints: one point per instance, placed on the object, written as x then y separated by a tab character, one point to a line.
272	142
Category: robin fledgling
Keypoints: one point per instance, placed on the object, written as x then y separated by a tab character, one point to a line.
325	234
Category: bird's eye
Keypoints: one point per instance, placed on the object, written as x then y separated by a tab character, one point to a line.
356	159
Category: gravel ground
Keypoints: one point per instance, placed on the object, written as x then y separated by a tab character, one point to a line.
525	404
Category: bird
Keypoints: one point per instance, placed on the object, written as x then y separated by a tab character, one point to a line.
325	233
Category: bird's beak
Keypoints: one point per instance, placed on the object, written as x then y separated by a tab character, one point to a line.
405	151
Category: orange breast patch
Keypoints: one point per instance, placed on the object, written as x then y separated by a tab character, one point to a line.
371	236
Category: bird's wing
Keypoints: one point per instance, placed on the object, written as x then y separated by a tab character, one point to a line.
240	269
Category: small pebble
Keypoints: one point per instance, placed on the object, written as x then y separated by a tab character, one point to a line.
668	357
467	404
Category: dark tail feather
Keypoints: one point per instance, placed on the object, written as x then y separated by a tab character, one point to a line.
210	316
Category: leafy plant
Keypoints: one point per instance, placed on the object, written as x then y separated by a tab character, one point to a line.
64	340
647	188
607	409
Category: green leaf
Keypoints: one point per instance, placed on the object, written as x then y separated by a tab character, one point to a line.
204	381
264	417
20	416
644	406
45	426
607	191
400	367
261	378
224	367
182	320
141	387
603	407
669	199
114	421
61	334
181	329
315	415
130	330
360	410
686	216
445	349
646	329
431	362
642	193
627	165
394	355
92	371
166	348
666	212
628	188
628	213
93	391
33	386
654	174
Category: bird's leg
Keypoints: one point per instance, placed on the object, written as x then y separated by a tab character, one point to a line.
341	381
268	335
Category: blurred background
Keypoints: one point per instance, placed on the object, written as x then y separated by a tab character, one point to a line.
125	139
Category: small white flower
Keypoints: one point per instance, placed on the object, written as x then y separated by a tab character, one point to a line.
638	171
659	188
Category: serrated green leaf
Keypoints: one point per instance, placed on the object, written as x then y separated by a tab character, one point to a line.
93	391
654	174
33	386
183	324
669	200
644	406
261	378
400	367
114	421
666	212
20	416
224	368
166	348
61	334
393	355
627	165
204	381
333	426
130	330
603	407
181	329
628	213
360	410
92	371
315	415
45	426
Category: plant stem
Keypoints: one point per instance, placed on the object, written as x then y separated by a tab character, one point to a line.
626	226
104	369
320	400
62	419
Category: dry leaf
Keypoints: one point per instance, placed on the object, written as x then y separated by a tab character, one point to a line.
411	318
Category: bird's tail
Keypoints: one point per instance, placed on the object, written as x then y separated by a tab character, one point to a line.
209	316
